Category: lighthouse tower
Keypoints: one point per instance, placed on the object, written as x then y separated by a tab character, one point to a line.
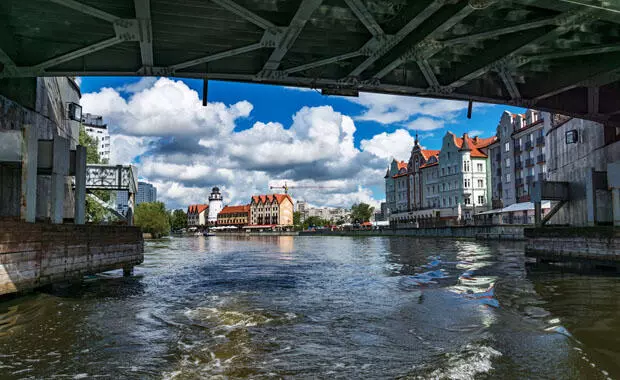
215	205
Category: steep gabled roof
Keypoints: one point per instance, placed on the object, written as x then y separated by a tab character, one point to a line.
427	153
270	198
402	165
196	209
474	144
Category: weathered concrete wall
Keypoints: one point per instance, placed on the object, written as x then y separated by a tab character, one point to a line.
36	254
45	109
470	232
564	244
572	162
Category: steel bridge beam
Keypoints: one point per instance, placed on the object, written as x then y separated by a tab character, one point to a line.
87	10
245	13
392	41
143	14
362	13
303	14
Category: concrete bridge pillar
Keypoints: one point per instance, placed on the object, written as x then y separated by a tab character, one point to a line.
30	149
60	169
80	185
613	180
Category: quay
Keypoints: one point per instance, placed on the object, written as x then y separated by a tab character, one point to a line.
38	254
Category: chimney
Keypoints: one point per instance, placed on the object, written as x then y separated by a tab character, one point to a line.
465	145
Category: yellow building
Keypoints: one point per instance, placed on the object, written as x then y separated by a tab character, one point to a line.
234	216
275	210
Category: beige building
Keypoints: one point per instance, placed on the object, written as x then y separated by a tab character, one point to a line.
234	216
197	215
275	210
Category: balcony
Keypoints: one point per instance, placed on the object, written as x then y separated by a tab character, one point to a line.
519	181
524	198
529	162
541	177
540	159
540	141
529	179
529	145
519	165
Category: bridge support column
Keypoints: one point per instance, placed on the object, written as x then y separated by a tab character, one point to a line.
28	201
60	169
613	180
80	184
590	197
538	214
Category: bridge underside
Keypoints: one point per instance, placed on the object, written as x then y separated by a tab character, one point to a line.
556	55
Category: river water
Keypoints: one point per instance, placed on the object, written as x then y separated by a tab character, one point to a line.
313	307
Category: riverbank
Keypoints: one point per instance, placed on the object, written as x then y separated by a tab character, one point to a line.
461	232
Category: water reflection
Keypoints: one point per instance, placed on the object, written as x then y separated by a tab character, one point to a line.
283	306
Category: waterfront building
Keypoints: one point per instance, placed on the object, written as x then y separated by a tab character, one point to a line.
216	204
452	183
146	193
302	209
330	213
197	215
517	157
95	128
237	216
275	210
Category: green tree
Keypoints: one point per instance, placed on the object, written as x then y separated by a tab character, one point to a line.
296	218
361	212
152	218
95	213
178	219
315	221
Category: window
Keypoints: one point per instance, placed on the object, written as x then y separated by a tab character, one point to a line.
465	166
456	200
480	167
443	171
449	201
467	183
480	199
480	183
467	201
508	162
508	177
507	147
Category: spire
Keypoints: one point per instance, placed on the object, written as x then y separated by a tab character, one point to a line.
416	141
465	145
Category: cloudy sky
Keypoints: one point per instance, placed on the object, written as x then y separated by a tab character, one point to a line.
252	136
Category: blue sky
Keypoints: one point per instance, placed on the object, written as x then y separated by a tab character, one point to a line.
336	142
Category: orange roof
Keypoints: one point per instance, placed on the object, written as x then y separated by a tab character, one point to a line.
402	165
426	153
399	175
235	209
279	198
197	209
475	144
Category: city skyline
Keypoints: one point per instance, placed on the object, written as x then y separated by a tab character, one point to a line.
243	144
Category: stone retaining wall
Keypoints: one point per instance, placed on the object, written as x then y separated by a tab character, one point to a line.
472	232
37	254
566	243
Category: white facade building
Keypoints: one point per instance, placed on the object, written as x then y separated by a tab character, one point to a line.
216	204
95	128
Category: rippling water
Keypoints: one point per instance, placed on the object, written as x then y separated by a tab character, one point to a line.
312	307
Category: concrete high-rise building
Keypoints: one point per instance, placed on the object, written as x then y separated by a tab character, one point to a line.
122	201
146	193
95	128
216	204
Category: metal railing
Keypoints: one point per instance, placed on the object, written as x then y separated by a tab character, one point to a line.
517	148
529	162
529	178
519	164
540	158
540	140
529	145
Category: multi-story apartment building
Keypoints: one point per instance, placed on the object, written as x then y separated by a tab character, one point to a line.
236	216
451	183
330	213
395	168
197	215
122	201
95	128
517	157
146	193
275	210
302	209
